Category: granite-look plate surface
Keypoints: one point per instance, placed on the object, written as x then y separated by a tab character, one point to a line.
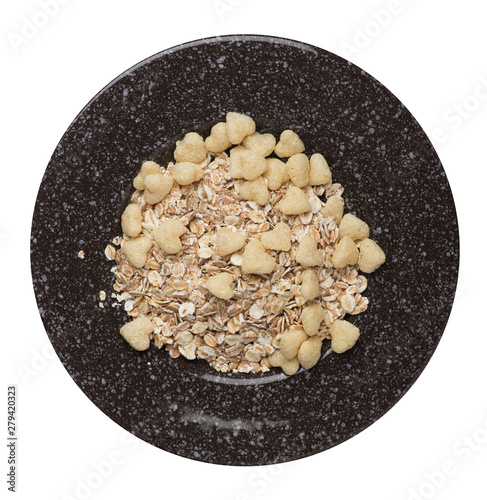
393	180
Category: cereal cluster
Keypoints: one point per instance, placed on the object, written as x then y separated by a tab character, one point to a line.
234	258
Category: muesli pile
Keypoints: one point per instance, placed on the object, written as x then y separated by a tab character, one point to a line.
230	256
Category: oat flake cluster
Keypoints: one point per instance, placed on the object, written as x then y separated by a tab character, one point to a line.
234	259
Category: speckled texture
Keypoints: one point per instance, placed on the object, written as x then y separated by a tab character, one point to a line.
393	180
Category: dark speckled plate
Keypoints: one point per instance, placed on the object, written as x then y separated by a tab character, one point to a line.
393	180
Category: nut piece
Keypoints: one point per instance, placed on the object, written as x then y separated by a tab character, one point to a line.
276	173
255	190
255	260
263	144
186	173
289	144
310	352
311	317
136	250
137	333
319	170
333	208
310	286
190	149
277	239
371	256
228	241
289	366
291	342
167	236
308	254
295	202
343	335
148	167
298	169
354	227
346	253
218	141
239	126
220	286
157	187
132	220
250	164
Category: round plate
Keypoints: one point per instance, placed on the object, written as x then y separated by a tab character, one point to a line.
393	179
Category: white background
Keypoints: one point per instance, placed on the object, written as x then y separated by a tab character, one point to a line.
431	55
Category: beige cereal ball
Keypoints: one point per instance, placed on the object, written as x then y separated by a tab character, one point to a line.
310	286
289	144
132	220
239	126
137	333
295	202
288	366
228	241
190	149
344	335
262	144
319	170
220	286
310	352
311	318
333	208
354	227
298	169
276	173
255	260
186	173
252	164
278	239
255	190
235	162
148	168
291	342
371	256
167	236
308	254
157	187
346	253
136	250
218	140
